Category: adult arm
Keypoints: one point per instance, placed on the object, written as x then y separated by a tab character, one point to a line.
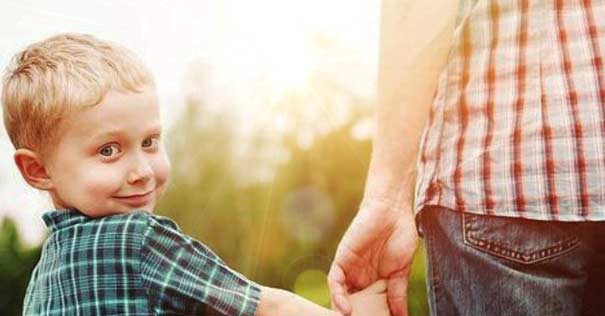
415	39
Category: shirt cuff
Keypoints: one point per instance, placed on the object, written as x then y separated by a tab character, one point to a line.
252	300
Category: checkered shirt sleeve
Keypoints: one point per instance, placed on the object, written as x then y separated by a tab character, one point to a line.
181	275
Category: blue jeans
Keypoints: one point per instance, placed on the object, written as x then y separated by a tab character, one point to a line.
487	265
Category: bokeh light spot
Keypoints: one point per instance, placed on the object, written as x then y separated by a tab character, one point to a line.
313	285
307	214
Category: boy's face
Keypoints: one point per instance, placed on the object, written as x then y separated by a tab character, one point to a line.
109	158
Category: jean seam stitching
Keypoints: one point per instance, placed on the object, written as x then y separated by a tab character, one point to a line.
565	246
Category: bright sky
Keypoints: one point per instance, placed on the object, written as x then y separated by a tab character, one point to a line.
238	39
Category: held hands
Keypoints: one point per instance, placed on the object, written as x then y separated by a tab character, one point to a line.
379	244
374	255
371	301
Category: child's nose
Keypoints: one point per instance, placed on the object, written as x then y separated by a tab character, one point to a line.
141	171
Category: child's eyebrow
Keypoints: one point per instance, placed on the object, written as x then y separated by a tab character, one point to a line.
107	134
156	129
118	133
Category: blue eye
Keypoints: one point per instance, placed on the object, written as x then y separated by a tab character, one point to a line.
109	150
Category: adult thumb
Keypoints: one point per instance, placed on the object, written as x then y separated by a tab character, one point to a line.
397	295
338	291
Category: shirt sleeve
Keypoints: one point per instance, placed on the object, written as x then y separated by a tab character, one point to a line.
183	276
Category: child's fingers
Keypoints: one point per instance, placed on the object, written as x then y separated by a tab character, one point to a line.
379	286
370	304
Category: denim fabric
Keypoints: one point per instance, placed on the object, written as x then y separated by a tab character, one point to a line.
488	265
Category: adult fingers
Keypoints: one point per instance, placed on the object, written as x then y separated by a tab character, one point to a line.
397	295
338	290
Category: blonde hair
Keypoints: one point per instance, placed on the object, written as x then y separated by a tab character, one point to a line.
66	72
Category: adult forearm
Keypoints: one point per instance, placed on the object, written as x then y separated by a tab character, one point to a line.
401	114
392	171
415	40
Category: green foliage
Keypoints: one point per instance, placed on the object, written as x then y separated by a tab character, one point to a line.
275	232
16	266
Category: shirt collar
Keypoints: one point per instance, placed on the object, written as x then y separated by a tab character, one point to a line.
58	219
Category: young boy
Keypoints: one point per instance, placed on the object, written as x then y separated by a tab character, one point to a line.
83	116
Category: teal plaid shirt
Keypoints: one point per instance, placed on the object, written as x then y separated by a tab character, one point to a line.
132	264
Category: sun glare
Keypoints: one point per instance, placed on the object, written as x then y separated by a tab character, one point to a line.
271	39
290	69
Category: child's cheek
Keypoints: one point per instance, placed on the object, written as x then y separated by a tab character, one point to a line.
103	182
162	170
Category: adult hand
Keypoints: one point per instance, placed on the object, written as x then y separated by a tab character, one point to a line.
379	244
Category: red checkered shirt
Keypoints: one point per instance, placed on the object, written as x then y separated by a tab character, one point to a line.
517	126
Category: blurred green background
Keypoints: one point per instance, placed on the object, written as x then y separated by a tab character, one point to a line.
272	202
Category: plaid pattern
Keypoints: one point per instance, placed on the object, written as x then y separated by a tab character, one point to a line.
517	127
131	264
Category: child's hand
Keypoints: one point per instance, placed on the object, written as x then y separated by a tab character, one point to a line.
276	302
372	301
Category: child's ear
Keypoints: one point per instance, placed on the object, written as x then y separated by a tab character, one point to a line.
32	169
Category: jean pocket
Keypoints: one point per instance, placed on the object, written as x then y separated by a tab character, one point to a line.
516	239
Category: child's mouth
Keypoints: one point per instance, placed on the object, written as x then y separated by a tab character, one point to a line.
136	199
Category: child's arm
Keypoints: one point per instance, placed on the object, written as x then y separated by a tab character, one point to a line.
276	302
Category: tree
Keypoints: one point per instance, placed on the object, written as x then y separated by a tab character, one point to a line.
16	265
